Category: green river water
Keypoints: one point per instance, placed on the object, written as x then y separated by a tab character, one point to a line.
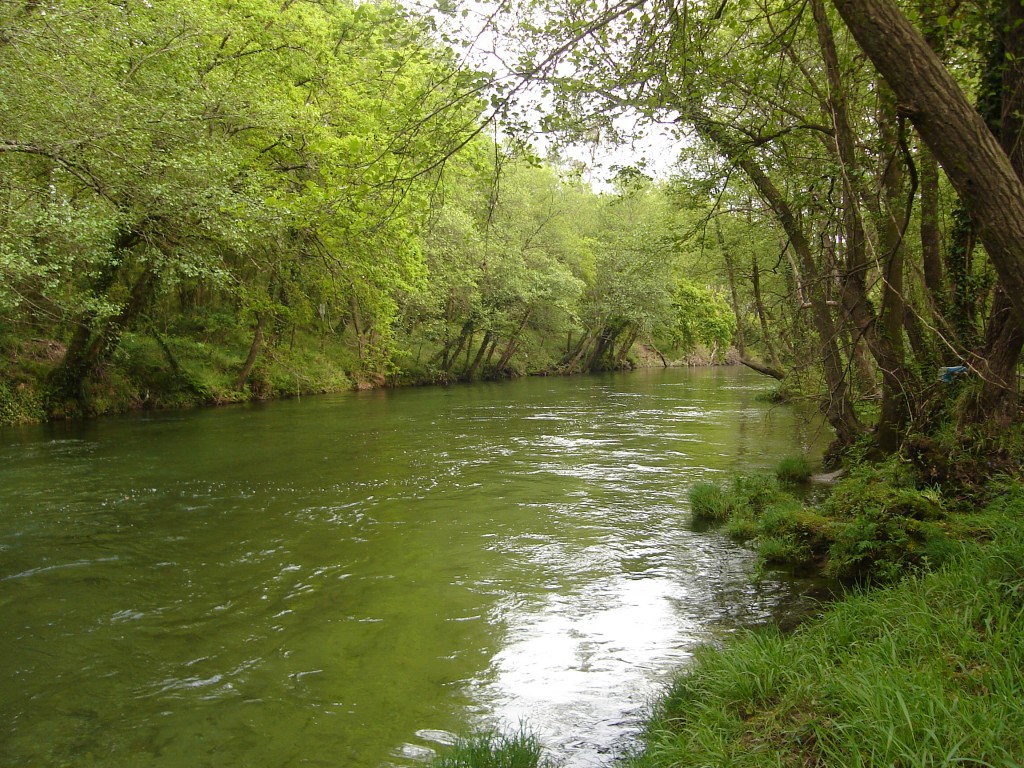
347	580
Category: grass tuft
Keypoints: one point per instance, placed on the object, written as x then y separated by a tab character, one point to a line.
709	503
794	470
495	749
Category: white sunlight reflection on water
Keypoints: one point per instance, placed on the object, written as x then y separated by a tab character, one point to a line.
592	660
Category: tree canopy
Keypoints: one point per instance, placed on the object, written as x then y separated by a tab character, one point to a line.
218	200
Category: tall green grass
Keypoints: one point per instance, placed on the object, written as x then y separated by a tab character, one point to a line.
929	672
794	470
495	749
744	496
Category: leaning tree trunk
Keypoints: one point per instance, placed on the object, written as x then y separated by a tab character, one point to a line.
605	342
254	352
762	315
730	268
976	164
478	358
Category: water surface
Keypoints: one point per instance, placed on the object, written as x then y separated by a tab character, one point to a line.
348	580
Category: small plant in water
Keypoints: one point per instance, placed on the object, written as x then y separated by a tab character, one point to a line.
793	469
709	503
496	749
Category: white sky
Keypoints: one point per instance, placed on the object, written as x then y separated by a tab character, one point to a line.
657	150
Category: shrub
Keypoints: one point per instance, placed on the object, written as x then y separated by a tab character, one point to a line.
756	491
884	527
20	404
792	534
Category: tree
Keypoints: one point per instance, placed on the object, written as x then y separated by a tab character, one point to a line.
974	161
822	142
276	157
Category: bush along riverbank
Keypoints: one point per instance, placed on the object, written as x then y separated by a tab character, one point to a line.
873	525
920	664
923	672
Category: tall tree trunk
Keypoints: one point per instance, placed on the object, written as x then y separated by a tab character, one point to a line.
491	350
254	352
975	163
931	242
926	350
357	325
762	315
996	404
964	291
896	389
454	347
884	339
738	339
864	363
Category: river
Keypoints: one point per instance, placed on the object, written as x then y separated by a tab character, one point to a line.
348	580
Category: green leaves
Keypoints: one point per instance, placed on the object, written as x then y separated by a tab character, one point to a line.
271	157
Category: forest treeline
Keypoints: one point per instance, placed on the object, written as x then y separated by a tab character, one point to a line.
209	201
879	141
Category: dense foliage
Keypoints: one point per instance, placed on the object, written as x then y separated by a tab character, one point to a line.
209	201
853	261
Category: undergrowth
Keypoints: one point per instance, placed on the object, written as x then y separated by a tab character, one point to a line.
167	369
874	526
925	672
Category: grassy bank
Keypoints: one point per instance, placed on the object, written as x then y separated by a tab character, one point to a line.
198	362
169	370
925	670
874	525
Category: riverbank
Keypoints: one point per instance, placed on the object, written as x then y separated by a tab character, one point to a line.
154	371
923	671
157	372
